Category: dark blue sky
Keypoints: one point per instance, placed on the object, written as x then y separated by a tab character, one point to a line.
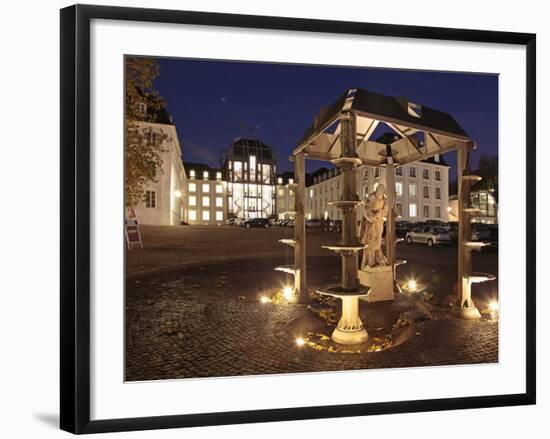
210	99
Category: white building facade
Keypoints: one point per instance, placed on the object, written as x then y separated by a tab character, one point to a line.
206	195
422	190
163	201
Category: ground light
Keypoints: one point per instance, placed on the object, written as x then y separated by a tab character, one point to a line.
300	341
412	285
493	307
288	292
265	299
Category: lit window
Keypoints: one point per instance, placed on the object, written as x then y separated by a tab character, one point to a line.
192	200
399	209
311	193
279	180
206	215
412	171
192	173
219	202
438	175
219	216
290	181
426	211
205	175
192	215
205	201
412	190
412	209
281	192
398	188
192	187
425	174
426	192
205	188
218	175
438	193
438	211
219	189
150	199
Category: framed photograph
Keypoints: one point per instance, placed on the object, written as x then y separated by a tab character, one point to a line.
268	219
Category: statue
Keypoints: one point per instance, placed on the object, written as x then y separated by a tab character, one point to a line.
372	227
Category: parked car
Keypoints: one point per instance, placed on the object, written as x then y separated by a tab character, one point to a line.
430	235
230	221
335	226
257	222
290	223
239	222
480	232
313	223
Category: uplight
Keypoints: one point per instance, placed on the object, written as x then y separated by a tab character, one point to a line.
265	299
300	341
288	292
412	285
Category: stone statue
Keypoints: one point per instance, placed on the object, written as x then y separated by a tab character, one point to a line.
372	228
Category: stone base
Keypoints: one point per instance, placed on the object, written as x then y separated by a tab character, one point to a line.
350	337
466	313
380	281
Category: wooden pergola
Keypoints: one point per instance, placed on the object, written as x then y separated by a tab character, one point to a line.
341	135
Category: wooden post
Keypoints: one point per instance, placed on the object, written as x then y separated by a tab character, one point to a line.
300	283
464	226
349	193
390	220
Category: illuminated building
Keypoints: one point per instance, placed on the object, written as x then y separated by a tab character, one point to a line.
250	170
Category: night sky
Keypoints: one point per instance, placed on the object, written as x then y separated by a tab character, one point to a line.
209	100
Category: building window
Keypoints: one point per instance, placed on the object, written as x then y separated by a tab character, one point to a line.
438	193
376	172
192	173
219	202
219	216
398	188
426	192
150	199
399	171
218	176
192	187
279	180
412	171
281	192
438	175
438	211
219	189
412	190
206	215
205	188
192	215
412	210
426	211
426	174
290	181
205	175
205	201
142	108
192	200
399	209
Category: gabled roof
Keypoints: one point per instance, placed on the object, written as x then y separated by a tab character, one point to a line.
441	132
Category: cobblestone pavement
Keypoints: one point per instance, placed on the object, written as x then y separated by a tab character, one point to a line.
207	320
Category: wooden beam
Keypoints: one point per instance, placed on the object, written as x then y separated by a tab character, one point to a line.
410	140
300	229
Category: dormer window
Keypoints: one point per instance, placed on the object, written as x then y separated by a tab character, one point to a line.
142	108
192	173
205	175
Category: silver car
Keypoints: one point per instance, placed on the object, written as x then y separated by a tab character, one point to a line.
430	235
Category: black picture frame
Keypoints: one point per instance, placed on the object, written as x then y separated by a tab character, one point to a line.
75	217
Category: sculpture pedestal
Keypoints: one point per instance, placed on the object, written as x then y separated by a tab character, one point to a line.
380	282
350	329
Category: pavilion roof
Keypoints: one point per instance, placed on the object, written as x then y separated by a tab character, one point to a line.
420	131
